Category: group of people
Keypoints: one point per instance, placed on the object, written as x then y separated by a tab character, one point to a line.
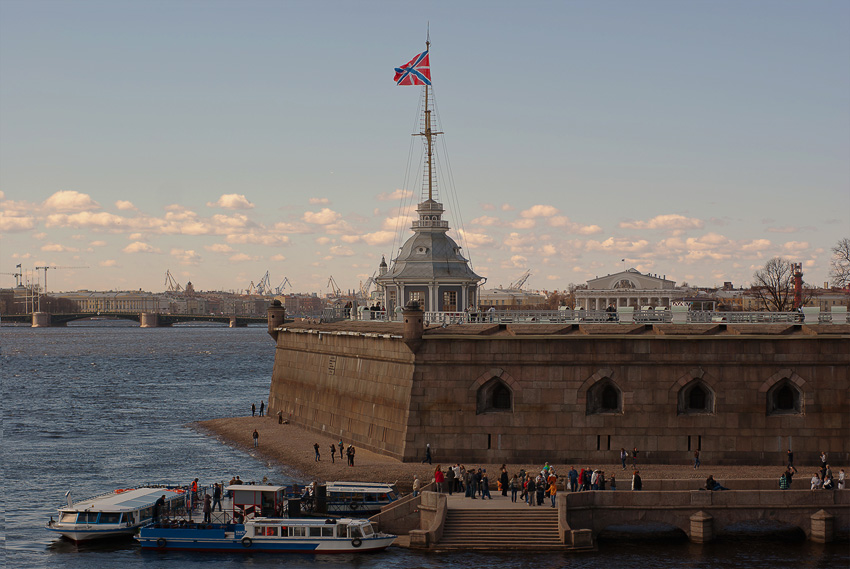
349	452
822	479
254	409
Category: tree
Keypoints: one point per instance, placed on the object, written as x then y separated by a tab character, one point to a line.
839	266
773	285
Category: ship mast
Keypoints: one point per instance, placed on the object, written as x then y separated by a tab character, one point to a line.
429	136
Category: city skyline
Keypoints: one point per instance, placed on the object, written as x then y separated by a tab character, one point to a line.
222	140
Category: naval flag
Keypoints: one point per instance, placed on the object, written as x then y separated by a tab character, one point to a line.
417	71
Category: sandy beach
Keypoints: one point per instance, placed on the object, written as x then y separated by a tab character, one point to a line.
289	449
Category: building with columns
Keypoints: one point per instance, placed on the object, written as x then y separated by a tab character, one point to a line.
429	268
629	288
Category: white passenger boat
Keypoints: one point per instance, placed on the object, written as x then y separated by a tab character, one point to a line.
272	535
349	498
118	513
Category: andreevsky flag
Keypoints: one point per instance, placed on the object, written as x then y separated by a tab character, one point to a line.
417	71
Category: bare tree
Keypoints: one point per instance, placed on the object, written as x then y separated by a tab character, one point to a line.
773	285
839	266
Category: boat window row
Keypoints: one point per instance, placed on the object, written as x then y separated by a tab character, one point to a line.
340	531
92	518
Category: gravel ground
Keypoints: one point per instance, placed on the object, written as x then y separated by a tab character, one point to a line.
290	449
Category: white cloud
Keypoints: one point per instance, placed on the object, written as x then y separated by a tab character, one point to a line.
99	220
124	204
69	200
539	211
139	247
378	238
284	227
108	263
506	207
485	221
340	251
219	248
43	235
326	216
232	201
670	221
241	257
523	223
617	245
277	257
476	239
795	246
263	239
13	224
323	240
395	195
520	243
186	256
58	248
392	223
317	201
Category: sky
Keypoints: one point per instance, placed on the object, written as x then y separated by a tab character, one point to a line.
219	140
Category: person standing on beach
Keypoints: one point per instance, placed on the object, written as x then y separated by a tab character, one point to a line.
333	451
262	407
572	475
696	459
316	448
253	409
439	478
256	436
623	456
790	458
427	454
353	451
634	458
503	478
340	449
450	480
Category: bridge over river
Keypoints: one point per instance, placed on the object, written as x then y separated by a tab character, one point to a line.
145	319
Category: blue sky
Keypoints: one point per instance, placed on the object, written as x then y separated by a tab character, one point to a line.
223	139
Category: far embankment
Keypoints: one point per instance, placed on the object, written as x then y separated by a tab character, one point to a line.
291	448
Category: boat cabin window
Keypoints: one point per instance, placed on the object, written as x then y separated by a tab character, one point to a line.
340	530
327	531
370	498
265	530
87	518
367	530
109	518
297	531
354	531
315	531
68	517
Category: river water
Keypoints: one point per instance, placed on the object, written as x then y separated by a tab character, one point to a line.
98	406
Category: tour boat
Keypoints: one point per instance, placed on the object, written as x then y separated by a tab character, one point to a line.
273	535
346	498
115	514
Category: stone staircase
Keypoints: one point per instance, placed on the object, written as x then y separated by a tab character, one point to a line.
533	529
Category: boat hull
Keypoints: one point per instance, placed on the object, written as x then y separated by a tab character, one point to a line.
202	540
87	534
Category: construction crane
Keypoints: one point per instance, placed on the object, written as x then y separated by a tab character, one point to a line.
517	285
364	287
281	286
333	286
171	284
264	287
44	268
17	276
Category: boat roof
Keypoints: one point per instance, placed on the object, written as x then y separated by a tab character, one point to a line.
361	486
255	488
306	521
124	501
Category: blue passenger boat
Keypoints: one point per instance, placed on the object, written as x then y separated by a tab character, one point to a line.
273	535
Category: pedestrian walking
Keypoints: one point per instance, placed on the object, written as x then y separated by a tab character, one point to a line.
790	458
439	478
333	452
553	491
623	456
634	458
696	459
216	496
256	436
316	448
427	454
514	488
253	409
262	407
416	486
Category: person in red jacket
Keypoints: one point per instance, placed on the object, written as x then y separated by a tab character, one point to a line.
439	478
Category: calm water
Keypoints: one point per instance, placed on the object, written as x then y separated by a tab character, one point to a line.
93	408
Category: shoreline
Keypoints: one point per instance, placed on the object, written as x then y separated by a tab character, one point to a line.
288	449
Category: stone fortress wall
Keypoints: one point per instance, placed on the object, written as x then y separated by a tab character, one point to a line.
574	393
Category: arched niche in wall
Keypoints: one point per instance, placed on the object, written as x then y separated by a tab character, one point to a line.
604	396
696	398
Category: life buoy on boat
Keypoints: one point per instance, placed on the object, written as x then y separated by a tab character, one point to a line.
246	542
161	542
356	542
354	505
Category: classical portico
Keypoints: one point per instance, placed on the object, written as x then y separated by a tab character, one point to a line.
628	288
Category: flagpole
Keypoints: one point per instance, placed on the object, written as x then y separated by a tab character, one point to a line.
428	127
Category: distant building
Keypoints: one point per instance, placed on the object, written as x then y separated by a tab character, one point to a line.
629	288
511	298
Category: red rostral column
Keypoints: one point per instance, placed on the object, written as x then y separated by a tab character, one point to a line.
797	268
